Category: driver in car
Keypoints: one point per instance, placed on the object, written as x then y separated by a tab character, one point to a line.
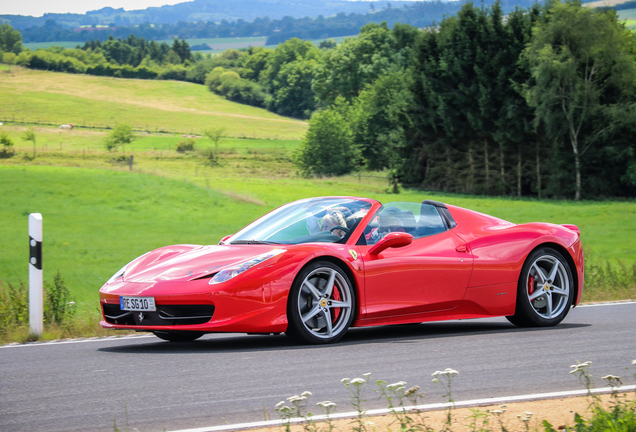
332	219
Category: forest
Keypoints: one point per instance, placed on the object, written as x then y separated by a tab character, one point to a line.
537	102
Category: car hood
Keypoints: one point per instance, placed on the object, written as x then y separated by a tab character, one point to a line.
188	262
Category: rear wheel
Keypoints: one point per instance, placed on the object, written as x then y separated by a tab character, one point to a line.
545	290
178	336
321	304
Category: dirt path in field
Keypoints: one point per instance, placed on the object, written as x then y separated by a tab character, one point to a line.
559	412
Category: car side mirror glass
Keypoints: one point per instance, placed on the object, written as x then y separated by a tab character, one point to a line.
391	240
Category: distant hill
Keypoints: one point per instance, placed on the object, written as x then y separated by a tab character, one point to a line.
419	14
205	10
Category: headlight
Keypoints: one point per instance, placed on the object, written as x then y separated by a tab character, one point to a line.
237	269
122	270
119	274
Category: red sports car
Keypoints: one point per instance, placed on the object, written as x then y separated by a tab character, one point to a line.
315	267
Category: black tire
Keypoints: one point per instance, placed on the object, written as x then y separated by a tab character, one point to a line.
316	312
545	290
178	336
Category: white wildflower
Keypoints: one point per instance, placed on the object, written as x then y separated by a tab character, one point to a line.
306	394
448	372
611	378
345	380
327	404
358	381
634	362
397	385
280	404
528	413
497	412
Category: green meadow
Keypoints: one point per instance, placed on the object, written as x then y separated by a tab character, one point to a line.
56	98
99	214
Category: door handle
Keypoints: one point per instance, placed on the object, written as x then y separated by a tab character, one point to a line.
462	249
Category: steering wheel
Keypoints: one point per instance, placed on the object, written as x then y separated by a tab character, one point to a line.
340	227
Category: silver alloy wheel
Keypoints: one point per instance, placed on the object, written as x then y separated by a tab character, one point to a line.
548	286
325	303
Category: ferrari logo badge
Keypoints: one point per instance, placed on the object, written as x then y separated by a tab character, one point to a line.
323	302
547	287
354	254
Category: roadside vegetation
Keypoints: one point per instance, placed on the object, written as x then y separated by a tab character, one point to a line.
614	413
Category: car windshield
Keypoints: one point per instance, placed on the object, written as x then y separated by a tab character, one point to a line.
312	220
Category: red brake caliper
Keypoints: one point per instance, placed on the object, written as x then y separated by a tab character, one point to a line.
530	284
335	296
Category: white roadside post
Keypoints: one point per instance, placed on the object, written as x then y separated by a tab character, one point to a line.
36	295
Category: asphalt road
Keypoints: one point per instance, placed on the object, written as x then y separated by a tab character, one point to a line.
151	385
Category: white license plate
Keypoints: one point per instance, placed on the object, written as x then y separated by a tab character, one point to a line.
143	304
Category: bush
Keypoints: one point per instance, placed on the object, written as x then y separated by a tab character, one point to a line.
14	306
58	307
9	58
229	83
6	151
185	145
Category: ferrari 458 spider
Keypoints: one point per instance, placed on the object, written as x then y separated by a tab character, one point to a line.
316	267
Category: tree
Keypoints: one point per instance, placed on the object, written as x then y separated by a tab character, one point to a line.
10	39
121	135
328	148
379	114
29	135
288	77
182	49
357	62
584	75
216	135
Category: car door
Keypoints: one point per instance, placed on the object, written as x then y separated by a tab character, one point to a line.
430	274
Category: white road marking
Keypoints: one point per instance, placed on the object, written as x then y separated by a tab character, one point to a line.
74	341
428	407
614	303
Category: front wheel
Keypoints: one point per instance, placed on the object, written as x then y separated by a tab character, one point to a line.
321	304
545	291
178	336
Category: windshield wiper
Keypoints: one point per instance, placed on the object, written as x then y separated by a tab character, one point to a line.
254	242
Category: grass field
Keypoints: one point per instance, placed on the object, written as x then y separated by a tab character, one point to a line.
58	98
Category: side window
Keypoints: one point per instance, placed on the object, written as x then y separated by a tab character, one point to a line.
419	220
430	221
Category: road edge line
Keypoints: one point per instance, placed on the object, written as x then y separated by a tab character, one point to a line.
427	407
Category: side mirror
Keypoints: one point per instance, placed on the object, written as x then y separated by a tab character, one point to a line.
224	239
391	240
